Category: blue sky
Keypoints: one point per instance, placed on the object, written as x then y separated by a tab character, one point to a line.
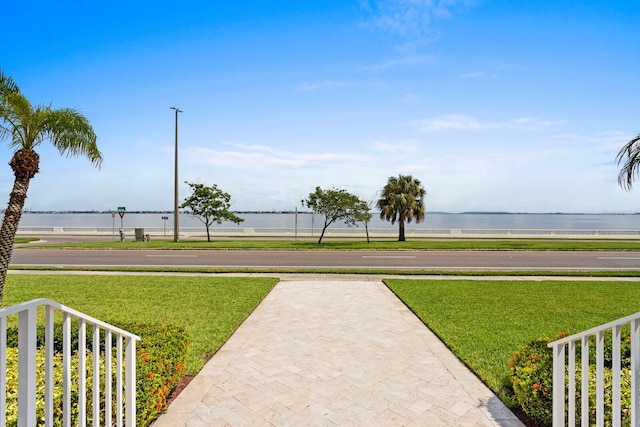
493	105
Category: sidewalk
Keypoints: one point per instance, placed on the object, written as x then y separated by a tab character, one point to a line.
334	353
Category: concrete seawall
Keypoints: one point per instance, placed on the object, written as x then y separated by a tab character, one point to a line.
354	232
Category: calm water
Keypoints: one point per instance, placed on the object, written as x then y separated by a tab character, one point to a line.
307	220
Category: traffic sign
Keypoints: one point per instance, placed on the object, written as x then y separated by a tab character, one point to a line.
121	210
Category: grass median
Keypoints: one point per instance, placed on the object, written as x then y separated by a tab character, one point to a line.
353	244
333	270
485	322
210	308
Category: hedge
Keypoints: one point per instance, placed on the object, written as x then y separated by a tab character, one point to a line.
531	374
160	361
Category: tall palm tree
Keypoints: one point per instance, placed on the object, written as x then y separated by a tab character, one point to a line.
26	127
629	157
402	199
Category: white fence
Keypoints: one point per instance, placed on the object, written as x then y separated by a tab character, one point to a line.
564	365
339	232
124	375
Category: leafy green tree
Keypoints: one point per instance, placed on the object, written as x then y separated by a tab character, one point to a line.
402	200
364	215
337	204
27	126
629	158
210	204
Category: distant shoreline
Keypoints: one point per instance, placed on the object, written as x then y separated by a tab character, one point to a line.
309	212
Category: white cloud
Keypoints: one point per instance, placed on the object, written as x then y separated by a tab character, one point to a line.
394	63
477	75
461	122
610	139
327	84
409	17
397	147
260	157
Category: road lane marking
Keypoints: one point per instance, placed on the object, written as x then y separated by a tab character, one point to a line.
619	257
172	256
390	256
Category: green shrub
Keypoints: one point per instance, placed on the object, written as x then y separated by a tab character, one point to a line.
625	395
531	374
161	357
11	416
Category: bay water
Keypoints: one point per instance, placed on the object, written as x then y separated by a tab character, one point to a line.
308	220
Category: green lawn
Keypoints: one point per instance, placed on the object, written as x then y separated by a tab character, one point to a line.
484	322
335	270
210	308
375	244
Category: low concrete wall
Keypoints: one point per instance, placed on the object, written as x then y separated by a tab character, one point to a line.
338	232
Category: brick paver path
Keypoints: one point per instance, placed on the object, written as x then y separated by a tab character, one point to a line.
335	353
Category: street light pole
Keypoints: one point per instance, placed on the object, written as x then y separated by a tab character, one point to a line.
175	183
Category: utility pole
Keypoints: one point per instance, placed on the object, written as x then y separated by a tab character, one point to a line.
176	226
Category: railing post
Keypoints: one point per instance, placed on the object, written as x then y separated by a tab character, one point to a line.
82	372
108	375
96	375
635	371
3	368
600	378
558	385
130	382
119	379
571	415
615	376
48	350
584	393
27	366
66	370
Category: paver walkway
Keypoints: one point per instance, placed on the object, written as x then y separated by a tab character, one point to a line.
339	353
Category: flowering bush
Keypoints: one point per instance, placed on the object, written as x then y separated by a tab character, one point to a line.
160	362
531	374
12	388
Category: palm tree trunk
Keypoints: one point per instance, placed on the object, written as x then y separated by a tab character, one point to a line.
401	226
10	226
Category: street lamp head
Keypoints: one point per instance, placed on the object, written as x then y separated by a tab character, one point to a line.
177	109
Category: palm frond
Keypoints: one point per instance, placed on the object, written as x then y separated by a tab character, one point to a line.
629	158
7	85
72	134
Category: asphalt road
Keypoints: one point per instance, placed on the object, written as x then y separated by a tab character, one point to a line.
433	260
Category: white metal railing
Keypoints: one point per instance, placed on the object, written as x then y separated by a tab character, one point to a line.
565	365
340	231
124	392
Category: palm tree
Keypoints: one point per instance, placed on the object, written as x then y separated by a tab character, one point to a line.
629	157
27	127
402	200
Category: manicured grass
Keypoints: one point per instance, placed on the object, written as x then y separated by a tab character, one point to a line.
210	308
19	240
485	322
353	244
337	270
